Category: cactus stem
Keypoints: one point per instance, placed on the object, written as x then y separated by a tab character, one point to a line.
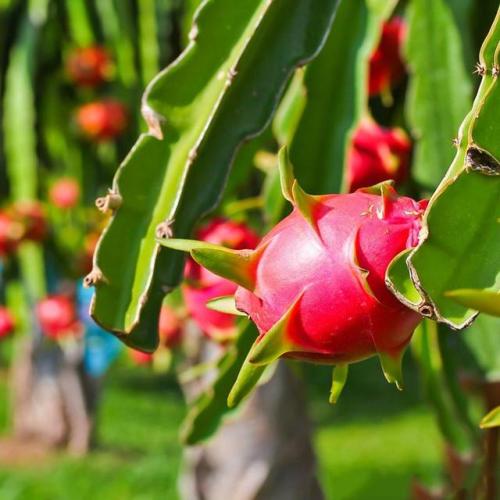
480	69
153	121
164	229
110	202
94	277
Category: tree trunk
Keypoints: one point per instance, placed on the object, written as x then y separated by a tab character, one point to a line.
262	452
52	400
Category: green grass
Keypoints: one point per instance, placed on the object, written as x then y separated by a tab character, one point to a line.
369	445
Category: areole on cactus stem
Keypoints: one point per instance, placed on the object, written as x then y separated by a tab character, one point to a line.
314	285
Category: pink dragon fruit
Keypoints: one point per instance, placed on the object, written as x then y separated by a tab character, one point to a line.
315	285
386	65
201	285
7	322
169	327
377	154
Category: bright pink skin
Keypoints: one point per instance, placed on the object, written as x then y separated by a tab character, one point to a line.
336	320
7	323
386	64
377	154
57	317
89	66
202	285
65	193
102	120
169	327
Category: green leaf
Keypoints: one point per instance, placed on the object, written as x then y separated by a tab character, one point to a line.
290	110
206	413
492	419
440	89
336	95
482	339
148	39
222	90
79	22
460	238
485	301
427	349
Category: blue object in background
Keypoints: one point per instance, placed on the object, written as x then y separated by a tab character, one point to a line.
100	347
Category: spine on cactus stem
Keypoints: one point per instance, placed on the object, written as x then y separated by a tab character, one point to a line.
314	285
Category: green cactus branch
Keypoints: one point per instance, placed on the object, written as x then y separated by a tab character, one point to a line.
458	247
439	89
222	90
336	95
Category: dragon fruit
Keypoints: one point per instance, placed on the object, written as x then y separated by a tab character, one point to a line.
7	323
201	285
377	154
102	120
57	317
315	284
89	66
30	215
11	232
169	327
386	65
65	193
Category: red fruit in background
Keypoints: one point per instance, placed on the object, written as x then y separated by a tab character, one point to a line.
31	215
89	66
7	323
65	193
377	154
201	285
11	232
386	64
102	120
169	327
57	316
140	358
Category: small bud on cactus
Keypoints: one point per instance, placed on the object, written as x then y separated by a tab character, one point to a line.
65	193
102	120
11	232
57	317
7	323
201	285
169	327
386	65
31	215
315	285
89	66
377	154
